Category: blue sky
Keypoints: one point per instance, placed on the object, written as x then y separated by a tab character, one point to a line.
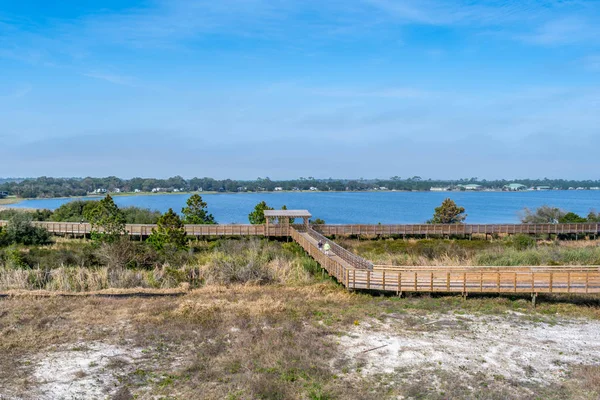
248	88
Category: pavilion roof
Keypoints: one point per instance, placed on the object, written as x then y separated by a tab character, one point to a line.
288	213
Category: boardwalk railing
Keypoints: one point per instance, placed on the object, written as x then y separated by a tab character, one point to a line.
344	230
331	265
346	255
77	228
457	229
467	280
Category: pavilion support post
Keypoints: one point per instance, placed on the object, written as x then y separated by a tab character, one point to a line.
533	299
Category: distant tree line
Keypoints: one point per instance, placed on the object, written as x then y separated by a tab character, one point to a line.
65	187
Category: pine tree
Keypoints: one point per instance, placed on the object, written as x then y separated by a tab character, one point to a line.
169	233
448	213
257	216
106	219
195	212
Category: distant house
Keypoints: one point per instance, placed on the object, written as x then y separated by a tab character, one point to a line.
3	194
295	189
100	191
471	186
156	190
438	189
542	188
514	187
278	189
313	189
117	190
595	188
383	188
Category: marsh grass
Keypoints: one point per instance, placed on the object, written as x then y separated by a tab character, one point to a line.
252	261
512	251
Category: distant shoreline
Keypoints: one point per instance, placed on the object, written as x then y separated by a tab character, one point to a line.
9	202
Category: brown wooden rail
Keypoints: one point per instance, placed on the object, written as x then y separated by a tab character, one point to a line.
457	229
77	228
345	230
467	280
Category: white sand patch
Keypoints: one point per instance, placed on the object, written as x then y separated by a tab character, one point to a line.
83	371
497	346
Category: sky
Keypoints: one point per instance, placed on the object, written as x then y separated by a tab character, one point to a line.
284	89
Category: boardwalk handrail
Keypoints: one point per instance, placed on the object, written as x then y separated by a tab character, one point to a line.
349	257
456	229
341	230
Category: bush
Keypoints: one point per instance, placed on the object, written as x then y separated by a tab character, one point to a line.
20	230
521	242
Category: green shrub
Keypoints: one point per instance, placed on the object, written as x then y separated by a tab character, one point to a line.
20	230
521	241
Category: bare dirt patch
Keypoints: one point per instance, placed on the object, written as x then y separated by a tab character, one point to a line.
509	346
82	370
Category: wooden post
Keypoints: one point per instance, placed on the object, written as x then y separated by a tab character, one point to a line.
587	281
368	279
431	284
383	281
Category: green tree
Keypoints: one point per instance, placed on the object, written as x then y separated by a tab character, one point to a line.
318	221
108	222
195	212
572	218
169	233
257	216
448	213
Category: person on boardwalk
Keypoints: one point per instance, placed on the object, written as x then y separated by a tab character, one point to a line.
320	245
326	247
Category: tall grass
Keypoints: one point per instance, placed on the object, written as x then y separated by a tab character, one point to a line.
514	251
228	262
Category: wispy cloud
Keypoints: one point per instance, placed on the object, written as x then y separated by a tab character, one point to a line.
563	31
112	78
18	92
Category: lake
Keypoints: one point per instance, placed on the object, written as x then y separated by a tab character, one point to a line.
364	207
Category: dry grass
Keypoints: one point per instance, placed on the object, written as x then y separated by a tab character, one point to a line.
252	342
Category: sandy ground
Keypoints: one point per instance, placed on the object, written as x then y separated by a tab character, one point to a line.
82	371
509	347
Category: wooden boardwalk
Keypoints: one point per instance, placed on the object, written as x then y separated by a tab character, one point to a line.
451	279
354	272
343	230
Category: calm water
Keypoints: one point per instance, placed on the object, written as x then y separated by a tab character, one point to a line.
367	207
